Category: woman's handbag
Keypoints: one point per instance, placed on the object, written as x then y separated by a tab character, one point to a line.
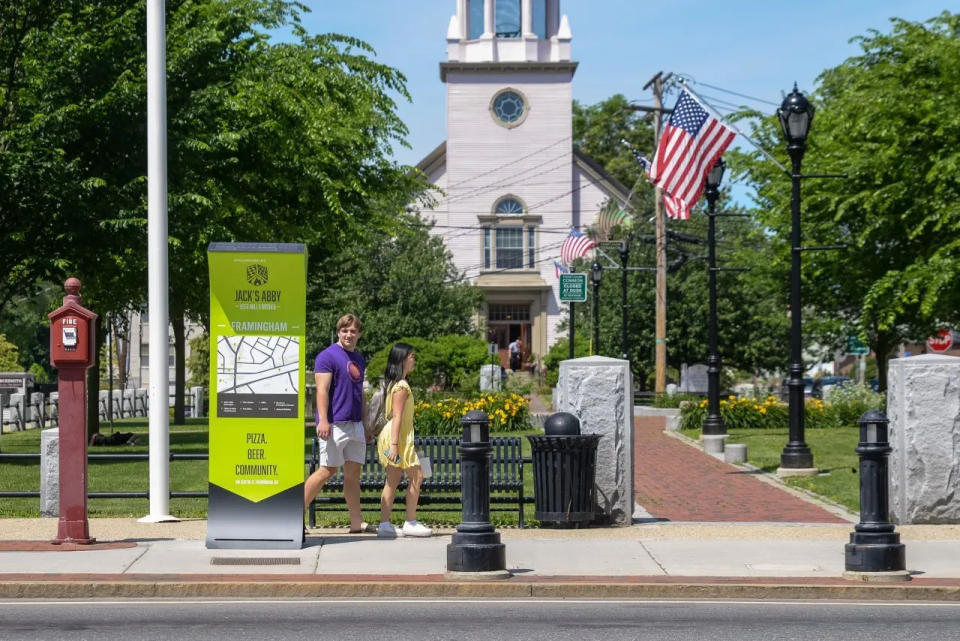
425	465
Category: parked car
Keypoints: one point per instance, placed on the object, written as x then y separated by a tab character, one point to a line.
829	382
811	388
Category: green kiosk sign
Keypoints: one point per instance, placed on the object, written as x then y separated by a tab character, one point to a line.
257	332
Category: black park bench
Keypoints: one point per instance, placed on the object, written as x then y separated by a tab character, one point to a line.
506	475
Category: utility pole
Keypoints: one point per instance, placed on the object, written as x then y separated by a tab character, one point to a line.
660	345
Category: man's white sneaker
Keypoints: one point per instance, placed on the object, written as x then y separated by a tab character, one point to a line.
388	531
416	528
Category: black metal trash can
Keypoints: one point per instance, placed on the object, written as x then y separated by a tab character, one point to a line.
564	475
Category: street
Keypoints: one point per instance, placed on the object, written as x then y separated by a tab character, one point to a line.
468	620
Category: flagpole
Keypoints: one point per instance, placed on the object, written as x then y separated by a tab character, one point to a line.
158	307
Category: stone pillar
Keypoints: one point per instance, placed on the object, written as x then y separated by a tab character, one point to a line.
489	378
598	391
50	472
923	405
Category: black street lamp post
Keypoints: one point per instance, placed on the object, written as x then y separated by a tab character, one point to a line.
795	114
596	273
713	423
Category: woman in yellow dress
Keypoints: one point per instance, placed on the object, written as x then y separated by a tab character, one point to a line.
395	445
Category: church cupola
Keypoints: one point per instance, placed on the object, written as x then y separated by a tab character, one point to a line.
508	31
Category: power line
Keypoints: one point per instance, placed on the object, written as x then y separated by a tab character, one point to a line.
533	153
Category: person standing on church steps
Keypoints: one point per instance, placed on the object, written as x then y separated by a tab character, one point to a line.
343	438
516	354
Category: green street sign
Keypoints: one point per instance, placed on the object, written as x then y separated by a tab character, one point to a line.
573	288
855	347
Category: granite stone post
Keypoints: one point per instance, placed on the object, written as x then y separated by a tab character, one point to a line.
490	378
923	405
599	391
50	472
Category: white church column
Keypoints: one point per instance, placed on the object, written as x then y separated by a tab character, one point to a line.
462	19
488	18
526	14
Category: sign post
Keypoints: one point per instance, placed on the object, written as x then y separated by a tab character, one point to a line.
573	289
257	332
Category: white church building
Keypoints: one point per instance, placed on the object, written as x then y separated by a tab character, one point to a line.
510	182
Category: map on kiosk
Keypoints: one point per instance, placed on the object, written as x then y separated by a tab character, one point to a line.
257	376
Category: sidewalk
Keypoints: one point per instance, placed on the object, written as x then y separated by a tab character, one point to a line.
729	535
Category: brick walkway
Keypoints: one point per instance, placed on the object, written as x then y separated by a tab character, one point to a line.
677	482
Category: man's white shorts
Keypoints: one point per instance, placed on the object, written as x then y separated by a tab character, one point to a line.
346	442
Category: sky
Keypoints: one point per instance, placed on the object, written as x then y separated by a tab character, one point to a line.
756	48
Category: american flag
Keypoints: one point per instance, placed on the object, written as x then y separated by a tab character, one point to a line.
575	246
559	268
691	143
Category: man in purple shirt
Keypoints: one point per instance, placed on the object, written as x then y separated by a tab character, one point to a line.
340	430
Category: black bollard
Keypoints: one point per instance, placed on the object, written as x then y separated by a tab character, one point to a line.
476	546
874	545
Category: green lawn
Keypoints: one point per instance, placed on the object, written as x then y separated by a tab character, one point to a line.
833	453
190	476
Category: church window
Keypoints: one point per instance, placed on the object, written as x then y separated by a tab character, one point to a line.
509	206
508	18
486	248
531	247
475	19
540	18
509	247
509	108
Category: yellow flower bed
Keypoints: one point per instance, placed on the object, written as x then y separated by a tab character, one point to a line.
507	413
752	413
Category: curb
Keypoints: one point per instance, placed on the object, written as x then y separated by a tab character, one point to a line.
594	588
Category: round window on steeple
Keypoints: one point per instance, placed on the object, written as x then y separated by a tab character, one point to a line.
509	108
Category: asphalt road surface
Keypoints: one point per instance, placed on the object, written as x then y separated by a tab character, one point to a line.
469	620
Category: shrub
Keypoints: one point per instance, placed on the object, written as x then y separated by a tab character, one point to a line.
450	362
441	417
674	400
561	352
849	402
745	413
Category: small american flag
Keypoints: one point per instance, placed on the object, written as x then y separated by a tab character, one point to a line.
691	143
559	268
575	246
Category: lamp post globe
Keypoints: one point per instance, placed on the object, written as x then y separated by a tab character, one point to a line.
795	114
713	423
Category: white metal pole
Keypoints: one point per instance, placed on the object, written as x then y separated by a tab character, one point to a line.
157	264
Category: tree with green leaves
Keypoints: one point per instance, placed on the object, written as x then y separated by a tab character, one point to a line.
400	282
267	141
9	358
889	118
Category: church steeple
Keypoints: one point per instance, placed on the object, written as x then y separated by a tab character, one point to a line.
508	31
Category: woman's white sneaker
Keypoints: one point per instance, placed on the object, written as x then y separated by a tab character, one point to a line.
416	528
388	531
